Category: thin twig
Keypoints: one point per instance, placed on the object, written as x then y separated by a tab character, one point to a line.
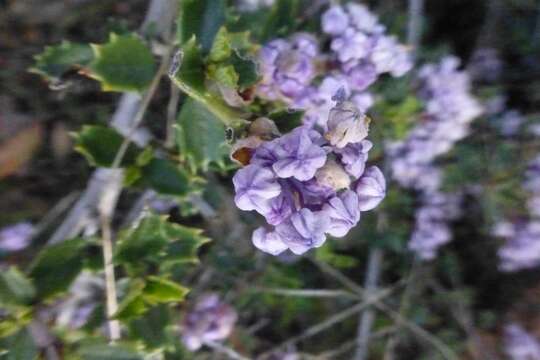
145	102
445	351
366	319
110	281
172	110
414	26
232	354
316	293
331	321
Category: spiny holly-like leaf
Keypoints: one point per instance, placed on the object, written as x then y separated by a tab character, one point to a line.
15	288
55	61
150	326
161	290
165	177
147	293
155	239
246	69
144	242
200	18
187	242
99	144
224	74
109	352
191	71
200	136
56	266
125	63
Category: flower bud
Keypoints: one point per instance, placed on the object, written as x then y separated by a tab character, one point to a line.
333	175
346	125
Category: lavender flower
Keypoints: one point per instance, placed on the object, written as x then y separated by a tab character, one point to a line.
255	186
520	345
371	189
522	248
353	157
335	21
209	320
344	213
298	156
304	230
287	67
307	188
431	229
16	237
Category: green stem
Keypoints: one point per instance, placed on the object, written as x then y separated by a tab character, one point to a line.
227	115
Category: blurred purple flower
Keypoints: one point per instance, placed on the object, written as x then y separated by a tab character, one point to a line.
16	237
519	344
268	241
209	320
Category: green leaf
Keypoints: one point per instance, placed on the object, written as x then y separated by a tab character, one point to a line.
287	119
146	241
56	60
161	290
150	292
282	19
166	178
151	327
246	69
15	288
223	74
19	347
56	266
200	136
200	18
133	305
109	352
125	63
222	47
187	242
191	71
99	144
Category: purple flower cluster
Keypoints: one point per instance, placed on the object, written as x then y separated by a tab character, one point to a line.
522	247
209	320
307	184
519	344
431	229
449	109
360	52
16	237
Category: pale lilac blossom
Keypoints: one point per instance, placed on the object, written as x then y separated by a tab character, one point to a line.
519	344
209	320
16	237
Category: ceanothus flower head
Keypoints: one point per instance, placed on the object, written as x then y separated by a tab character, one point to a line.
16	237
304	230
370	188
287	67
209	320
522	247
255	186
